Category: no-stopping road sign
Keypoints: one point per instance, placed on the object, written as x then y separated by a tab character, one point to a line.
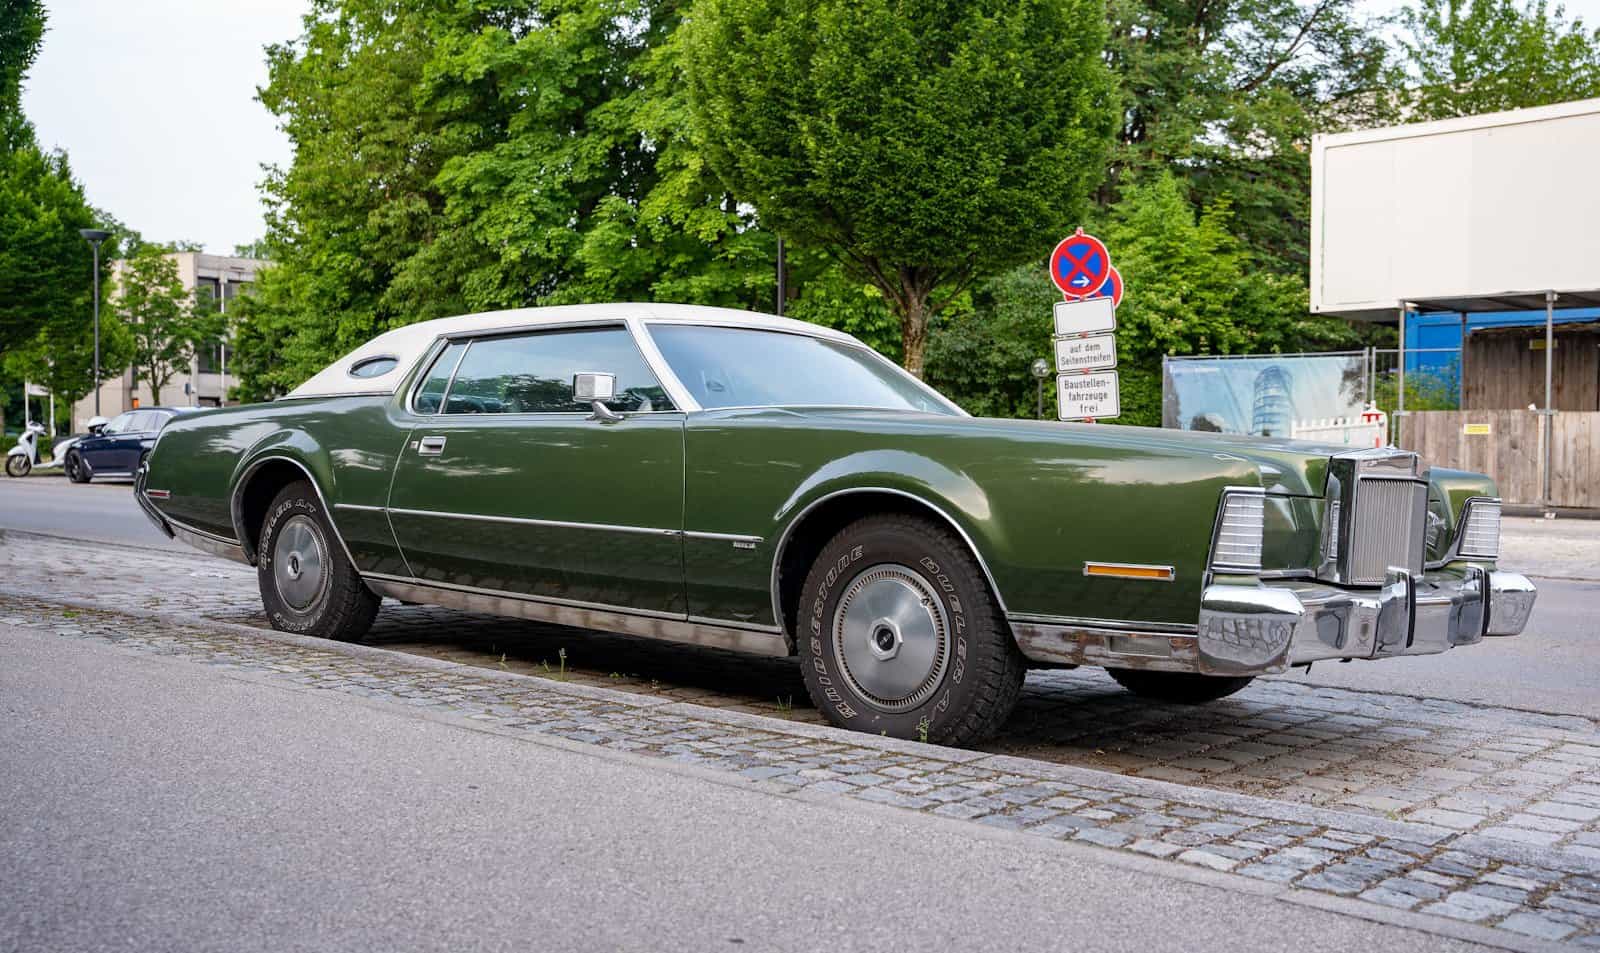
1080	265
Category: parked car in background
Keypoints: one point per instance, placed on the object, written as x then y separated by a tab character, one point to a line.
754	483
118	448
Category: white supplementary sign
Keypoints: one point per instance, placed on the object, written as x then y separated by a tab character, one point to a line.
1085	396
1092	352
1091	316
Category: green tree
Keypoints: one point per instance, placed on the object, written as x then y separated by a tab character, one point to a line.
1228	95
1489	55
924	144
453	158
161	316
982	358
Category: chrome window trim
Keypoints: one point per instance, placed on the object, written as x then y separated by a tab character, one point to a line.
420	375
1216	528
627	325
372	359
788	530
244	478
943	401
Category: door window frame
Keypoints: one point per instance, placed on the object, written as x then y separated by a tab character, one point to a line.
651	358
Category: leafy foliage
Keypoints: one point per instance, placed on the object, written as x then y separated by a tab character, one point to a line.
923	144
1489	55
453	158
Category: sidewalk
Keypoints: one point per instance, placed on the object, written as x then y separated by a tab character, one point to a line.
1551	549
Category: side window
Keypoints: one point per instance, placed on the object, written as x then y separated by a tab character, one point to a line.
433	386
532	373
119	424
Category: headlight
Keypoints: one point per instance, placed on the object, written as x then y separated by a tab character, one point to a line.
1480	530
1241	523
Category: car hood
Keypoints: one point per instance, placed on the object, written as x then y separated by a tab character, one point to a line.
1295	467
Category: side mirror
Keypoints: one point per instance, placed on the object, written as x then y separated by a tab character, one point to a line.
596	388
97	424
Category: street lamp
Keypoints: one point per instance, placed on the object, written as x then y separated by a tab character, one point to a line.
94	236
1040	370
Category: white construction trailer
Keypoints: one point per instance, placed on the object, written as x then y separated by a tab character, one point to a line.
1498	212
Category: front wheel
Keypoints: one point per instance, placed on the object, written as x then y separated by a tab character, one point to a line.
1183	688
900	635
18	465
308	585
76	471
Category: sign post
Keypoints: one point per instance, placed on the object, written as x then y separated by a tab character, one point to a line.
1087	385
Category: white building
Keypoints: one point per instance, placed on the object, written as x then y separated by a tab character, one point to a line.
206	382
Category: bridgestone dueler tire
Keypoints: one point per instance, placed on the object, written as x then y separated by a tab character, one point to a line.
1181	688
983	676
343	607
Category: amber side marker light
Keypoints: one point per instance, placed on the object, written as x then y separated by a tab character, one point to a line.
1130	571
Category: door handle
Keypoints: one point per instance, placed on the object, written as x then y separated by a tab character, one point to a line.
430	446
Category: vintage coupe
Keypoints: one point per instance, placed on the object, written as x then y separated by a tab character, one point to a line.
737	480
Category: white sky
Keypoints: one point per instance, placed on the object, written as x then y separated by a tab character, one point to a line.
154	101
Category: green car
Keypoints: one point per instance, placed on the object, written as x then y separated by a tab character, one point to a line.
748	482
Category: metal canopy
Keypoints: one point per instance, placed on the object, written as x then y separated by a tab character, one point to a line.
1508	301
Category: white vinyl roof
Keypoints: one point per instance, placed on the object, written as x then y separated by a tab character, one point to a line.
408	344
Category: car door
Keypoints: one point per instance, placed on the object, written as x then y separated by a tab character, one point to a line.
104	454
507	484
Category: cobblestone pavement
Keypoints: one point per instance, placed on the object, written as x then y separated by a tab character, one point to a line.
1521	892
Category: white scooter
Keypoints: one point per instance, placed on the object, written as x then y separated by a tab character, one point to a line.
23	458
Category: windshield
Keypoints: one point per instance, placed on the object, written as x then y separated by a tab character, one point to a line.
745	367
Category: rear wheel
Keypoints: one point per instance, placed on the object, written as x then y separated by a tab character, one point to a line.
1183	688
76	471
900	635
307	583
18	465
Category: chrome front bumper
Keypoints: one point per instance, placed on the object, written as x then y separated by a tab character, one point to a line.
1252	628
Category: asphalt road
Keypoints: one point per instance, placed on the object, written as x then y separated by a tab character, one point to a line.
156	804
1553	667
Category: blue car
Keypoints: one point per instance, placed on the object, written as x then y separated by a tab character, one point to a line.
118	448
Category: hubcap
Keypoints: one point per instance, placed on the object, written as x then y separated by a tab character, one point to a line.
299	561
891	637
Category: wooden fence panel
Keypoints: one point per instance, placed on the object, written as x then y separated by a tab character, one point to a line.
1574	469
1512	452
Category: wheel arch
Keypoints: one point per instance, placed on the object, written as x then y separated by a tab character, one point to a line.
823	517
259	482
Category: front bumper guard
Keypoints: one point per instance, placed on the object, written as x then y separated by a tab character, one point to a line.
1251	629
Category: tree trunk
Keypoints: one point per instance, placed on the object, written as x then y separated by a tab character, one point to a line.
914	330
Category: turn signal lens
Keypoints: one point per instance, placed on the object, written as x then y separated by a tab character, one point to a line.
1240	527
1480	530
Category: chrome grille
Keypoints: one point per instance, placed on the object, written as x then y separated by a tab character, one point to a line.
1387	529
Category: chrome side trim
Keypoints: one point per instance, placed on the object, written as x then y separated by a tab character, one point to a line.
359	507
669	628
1108	646
207	542
783	542
238	516
1115	625
724	537
525	521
